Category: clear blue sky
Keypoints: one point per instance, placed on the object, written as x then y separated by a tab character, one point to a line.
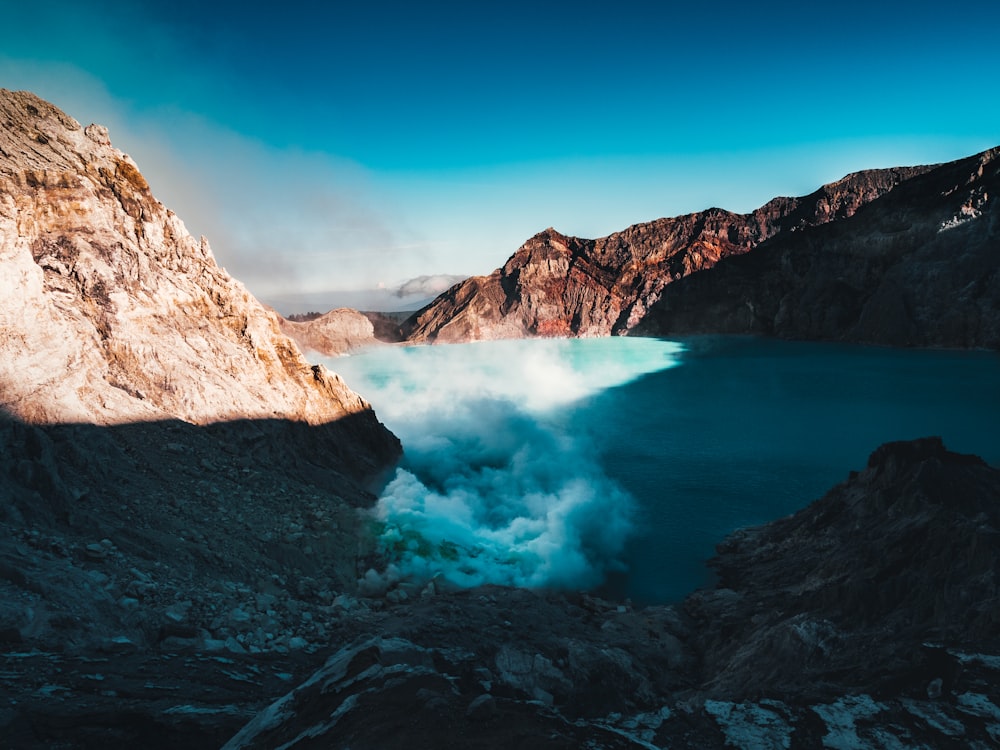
335	146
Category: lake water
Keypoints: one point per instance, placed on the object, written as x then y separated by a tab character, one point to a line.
620	463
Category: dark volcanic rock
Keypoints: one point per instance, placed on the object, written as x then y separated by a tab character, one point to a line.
851	593
867	620
486	668
126	553
556	285
167	458
919	266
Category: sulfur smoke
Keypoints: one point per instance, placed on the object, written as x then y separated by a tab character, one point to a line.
495	487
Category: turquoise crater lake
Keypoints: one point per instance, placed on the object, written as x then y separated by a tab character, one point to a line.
619	463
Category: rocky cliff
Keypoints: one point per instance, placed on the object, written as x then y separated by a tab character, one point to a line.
332	333
168	458
556	285
171	575
919	266
111	312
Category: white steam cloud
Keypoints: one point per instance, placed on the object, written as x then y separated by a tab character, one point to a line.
495	487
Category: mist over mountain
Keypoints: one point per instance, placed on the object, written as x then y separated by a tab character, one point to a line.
189	530
358	318
427	285
163	445
120	314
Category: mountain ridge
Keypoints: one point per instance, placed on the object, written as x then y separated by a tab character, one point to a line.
556	285
180	548
918	267
560	285
163	446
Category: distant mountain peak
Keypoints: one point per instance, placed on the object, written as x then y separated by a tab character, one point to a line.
917	266
558	285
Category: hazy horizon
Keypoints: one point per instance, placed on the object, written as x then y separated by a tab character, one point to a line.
344	147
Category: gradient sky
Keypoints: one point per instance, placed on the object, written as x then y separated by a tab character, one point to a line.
324	146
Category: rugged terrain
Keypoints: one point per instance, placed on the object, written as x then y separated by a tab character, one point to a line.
868	619
918	267
556	285
907	257
169	458
182	531
113	312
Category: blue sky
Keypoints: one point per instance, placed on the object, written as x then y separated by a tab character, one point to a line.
334	146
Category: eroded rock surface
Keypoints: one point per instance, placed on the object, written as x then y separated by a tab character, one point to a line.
920	266
556	285
333	333
111	312
179	487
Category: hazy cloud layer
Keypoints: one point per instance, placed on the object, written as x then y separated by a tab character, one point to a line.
317	160
427	286
284	221
495	487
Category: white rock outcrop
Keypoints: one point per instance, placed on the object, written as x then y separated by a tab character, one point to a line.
111	312
333	333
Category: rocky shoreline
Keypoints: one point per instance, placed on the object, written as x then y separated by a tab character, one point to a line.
866	619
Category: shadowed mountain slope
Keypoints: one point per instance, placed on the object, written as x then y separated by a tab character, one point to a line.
175	477
918	267
556	285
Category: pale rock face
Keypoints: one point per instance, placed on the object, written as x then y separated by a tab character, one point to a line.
331	334
111	312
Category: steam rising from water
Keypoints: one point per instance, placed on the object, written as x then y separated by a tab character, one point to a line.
495	487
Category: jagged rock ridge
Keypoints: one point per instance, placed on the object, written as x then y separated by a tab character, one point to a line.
556	285
866	620
920	266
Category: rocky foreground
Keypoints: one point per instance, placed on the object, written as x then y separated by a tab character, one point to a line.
868	619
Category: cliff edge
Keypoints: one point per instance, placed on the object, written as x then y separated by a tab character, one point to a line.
169	462
112	312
